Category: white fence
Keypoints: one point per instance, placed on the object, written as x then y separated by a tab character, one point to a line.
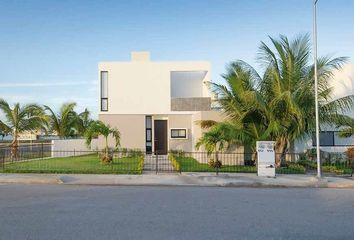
72	147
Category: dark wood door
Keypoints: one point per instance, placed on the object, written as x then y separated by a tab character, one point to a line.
160	135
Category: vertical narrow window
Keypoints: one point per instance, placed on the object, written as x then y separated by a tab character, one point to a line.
148	134
104	91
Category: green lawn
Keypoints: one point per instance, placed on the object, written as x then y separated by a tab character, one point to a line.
189	164
81	164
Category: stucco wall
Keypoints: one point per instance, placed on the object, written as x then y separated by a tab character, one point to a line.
72	147
143	87
180	121
131	127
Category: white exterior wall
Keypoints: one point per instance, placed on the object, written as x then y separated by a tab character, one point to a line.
143	87
72	147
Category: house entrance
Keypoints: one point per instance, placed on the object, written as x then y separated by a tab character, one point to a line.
160	137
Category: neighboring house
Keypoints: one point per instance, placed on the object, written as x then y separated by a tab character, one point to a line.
155	105
343	85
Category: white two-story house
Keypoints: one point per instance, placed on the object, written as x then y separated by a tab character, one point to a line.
155	105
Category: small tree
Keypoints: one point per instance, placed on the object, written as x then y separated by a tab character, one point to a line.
98	128
218	138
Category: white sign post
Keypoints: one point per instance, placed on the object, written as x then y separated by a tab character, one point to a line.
265	159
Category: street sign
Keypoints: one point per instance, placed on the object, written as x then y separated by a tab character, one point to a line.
265	159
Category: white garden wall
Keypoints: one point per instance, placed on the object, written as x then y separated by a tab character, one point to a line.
72	147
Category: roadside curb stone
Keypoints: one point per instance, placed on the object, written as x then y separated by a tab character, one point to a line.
184	179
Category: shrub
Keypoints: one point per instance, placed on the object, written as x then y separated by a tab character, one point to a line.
141	164
214	164
174	162
332	169
350	155
296	168
106	158
308	164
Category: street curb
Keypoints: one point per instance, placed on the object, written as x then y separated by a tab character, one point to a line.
192	180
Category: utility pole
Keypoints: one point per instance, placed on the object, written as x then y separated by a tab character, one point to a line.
316	88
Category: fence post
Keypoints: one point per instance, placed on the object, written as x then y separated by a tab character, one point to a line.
156	162
42	150
3	162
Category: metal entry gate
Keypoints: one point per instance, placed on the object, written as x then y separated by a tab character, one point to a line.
158	163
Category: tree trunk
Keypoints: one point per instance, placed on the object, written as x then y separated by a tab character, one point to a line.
14	146
280	152
106	149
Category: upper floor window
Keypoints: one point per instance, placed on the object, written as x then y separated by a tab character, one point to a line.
104	91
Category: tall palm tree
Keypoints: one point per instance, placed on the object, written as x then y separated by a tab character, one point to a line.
288	89
63	122
280	105
21	119
98	128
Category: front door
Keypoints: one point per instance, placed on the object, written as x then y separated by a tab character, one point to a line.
160	134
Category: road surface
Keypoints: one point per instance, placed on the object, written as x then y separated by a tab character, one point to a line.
97	212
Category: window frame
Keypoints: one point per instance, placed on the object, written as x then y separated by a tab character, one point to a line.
179	137
148	149
101	91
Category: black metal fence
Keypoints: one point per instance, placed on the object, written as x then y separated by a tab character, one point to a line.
41	159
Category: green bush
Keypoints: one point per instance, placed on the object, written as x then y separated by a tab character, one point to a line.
141	164
308	164
296	168
292	168
174	162
214	164
336	169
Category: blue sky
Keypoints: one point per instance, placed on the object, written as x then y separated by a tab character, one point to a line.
49	50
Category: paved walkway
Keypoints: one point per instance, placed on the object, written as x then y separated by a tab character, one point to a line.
162	162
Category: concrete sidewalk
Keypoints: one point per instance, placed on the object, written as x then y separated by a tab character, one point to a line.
185	179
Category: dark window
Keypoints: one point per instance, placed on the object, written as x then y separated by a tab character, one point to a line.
179	133
326	138
148	133
104	91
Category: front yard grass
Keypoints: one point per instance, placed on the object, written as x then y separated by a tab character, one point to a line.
79	164
189	164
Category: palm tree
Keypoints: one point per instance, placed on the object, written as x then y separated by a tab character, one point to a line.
348	129
279	105
63	123
21	119
83	122
98	128
218	138
287	87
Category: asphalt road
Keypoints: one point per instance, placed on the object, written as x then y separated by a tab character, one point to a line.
92	212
